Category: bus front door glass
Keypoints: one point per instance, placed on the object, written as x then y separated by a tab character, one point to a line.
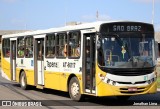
89	57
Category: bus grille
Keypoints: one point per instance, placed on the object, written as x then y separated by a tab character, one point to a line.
125	90
132	92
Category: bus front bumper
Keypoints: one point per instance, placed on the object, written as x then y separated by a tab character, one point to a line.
104	89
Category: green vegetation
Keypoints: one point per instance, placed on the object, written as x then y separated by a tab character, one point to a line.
158	80
158	74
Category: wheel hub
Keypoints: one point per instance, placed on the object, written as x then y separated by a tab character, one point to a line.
75	89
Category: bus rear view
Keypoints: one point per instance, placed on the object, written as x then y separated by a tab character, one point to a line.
126	59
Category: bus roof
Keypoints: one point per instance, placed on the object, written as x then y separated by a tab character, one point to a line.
93	25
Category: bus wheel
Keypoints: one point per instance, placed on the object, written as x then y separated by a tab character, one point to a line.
23	80
74	89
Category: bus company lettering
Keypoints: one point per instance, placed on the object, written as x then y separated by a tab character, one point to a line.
52	64
121	28
69	64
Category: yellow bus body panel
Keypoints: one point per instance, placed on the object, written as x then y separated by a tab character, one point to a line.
29	75
6	67
51	80
58	80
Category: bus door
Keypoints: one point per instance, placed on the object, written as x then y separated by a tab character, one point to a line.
13	58
39	61
89	62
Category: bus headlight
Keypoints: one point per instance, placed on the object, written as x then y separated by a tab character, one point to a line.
113	83
108	80
149	81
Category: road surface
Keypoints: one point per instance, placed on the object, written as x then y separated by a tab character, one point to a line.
51	99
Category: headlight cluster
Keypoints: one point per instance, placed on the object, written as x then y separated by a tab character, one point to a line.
151	80
109	81
112	82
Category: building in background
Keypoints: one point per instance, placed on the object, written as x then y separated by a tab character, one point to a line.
157	38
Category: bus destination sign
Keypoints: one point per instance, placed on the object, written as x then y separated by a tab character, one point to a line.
126	28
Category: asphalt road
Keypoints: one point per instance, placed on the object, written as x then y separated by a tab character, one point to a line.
52	99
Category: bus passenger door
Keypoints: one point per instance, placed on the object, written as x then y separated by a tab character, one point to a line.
13	59
89	62
39	58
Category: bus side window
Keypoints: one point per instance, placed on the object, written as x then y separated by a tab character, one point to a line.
29	47
74	44
20	47
6	47
50	45
61	45
21	52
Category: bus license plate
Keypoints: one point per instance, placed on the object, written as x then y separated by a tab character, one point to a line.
132	89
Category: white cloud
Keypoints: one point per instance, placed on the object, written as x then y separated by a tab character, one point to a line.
91	17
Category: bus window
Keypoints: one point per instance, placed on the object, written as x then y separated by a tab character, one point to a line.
6	47
29	47
50	45
20	47
74	44
61	45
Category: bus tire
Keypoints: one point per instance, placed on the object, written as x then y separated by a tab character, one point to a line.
74	89
23	81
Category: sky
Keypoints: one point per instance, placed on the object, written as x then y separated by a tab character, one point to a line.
44	14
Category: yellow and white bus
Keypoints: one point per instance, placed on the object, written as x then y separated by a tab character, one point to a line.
115	58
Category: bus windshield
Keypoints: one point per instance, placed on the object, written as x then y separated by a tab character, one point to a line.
126	50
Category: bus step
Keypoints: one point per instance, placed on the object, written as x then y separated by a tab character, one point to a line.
39	87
